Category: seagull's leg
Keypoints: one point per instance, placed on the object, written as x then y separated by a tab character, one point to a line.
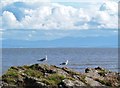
46	62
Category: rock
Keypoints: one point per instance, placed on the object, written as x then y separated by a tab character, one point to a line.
87	70
103	76
92	82
50	76
91	72
67	82
71	83
99	68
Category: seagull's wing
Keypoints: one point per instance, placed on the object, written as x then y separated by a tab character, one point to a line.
41	59
62	64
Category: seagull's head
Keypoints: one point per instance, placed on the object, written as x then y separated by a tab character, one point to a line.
66	61
46	56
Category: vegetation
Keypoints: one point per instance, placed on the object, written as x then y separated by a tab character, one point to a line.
33	73
11	76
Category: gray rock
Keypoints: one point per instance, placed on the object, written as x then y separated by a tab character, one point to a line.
92	82
70	83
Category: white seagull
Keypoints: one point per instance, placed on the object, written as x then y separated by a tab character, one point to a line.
64	63
43	59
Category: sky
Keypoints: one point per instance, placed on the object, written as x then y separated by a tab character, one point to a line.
57	19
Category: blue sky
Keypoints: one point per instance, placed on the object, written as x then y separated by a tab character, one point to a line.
56	19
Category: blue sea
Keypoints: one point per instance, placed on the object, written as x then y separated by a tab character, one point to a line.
79	58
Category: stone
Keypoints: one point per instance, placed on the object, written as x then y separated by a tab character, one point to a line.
92	82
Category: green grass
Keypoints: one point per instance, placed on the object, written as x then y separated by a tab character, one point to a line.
33	73
52	80
11	76
12	73
55	78
10	80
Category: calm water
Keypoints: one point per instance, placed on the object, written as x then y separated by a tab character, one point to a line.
79	58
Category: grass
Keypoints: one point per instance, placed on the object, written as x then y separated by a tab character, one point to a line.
11	76
33	73
55	78
10	80
12	73
52	80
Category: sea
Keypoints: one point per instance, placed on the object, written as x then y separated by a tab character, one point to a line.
79	58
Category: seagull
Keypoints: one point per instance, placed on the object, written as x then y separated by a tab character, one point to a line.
43	59
64	63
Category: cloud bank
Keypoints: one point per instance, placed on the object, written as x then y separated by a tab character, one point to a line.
45	16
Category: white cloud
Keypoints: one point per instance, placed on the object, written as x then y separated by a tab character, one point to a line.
110	7
57	16
108	15
9	20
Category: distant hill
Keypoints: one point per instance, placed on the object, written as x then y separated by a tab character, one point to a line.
110	41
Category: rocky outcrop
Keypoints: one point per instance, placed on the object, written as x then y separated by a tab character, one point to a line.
50	76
